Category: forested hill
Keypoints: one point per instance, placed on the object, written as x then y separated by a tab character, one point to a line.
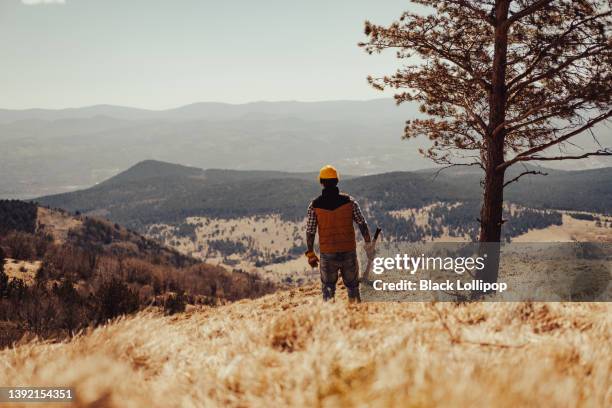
64	273
153	191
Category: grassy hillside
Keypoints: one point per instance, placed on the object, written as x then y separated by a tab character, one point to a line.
290	349
67	273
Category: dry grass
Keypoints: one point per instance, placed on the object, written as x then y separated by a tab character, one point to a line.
290	349
56	223
571	230
24	270
268	234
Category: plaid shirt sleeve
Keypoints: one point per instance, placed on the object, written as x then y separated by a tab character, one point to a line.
311	220
357	215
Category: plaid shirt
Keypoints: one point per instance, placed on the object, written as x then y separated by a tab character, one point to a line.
311	217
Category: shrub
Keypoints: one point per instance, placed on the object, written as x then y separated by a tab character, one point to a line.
71	304
20	245
17	215
3	284
114	298
582	216
175	303
16	289
2	260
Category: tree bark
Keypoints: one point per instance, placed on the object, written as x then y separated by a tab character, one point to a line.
491	215
492	204
493	197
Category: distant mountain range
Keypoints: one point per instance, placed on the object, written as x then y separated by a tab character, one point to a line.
50	151
61	150
153	191
376	110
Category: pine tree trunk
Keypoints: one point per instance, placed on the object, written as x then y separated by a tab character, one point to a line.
491	214
493	197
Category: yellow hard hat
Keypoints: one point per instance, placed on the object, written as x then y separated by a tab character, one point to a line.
328	172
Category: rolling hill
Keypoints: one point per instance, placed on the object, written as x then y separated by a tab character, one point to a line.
153	191
65	273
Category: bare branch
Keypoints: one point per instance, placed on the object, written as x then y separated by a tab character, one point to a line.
437	173
602	152
530	152
528	10
524	174
474	115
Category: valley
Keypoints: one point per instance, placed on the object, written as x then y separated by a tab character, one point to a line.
273	248
253	221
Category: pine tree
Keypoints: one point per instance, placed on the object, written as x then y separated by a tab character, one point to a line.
501	82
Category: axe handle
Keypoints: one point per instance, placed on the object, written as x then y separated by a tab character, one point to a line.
366	273
377	233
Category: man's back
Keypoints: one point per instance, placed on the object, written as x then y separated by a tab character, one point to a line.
332	215
334	212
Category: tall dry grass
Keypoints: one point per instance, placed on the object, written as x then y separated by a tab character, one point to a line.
290	349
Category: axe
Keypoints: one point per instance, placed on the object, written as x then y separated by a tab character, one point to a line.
366	273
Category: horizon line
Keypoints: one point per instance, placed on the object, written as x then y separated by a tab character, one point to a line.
98	105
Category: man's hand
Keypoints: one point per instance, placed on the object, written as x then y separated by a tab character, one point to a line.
313	259
370	250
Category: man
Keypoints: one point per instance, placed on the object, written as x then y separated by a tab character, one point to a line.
332	214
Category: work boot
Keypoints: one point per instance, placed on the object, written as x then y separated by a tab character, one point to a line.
353	294
328	292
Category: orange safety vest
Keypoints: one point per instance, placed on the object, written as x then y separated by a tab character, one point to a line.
336	232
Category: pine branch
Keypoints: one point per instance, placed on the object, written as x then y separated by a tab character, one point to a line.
488	17
591	51
543	52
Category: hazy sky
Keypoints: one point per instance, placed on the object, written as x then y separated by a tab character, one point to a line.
165	53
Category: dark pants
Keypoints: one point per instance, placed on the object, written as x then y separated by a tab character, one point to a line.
344	263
